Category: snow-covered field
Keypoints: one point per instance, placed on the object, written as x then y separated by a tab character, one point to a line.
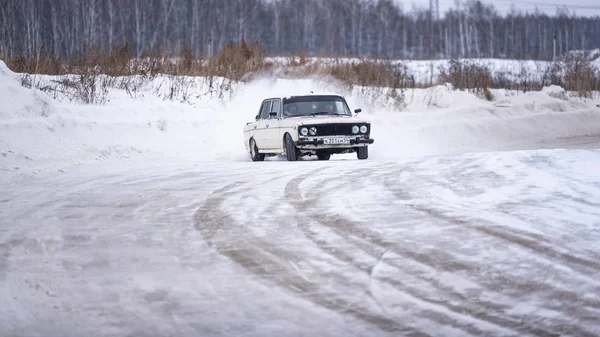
426	72
145	217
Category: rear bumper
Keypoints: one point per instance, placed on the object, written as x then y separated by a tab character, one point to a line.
320	141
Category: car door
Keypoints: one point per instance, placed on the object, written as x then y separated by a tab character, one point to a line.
250	130
260	131
272	137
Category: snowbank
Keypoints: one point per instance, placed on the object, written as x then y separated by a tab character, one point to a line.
39	132
17	102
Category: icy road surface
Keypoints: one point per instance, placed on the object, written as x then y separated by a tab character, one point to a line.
502	244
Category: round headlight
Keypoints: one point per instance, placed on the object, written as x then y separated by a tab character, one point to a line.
313	131
304	131
355	129
363	129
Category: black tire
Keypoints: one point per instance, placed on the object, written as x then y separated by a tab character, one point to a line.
291	152
362	152
254	154
323	156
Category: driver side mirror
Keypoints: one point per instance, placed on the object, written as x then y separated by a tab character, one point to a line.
357	111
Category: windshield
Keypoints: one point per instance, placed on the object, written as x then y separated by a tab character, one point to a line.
315	105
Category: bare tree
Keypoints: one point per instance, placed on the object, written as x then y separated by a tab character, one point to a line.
340	27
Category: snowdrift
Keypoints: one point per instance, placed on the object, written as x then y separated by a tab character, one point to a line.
39	132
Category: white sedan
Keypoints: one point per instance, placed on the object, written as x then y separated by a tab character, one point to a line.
298	126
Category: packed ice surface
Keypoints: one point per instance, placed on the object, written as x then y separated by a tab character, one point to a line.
146	217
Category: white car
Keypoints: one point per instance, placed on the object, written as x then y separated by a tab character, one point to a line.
298	126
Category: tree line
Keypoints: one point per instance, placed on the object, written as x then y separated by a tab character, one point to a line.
380	28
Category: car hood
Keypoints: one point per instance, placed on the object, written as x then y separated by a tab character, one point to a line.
316	120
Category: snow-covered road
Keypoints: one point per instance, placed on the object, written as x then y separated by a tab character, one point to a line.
144	217
494	244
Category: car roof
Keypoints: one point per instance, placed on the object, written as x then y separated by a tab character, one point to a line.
304	95
314	94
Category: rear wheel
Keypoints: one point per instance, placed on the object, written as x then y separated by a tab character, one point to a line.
362	152
291	152
323	156
254	154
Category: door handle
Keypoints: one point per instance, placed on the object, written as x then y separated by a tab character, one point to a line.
267	125
255	126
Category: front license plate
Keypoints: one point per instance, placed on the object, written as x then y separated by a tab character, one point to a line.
331	141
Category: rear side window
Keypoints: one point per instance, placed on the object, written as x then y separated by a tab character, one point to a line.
266	108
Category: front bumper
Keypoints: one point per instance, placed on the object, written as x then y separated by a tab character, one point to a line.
320	141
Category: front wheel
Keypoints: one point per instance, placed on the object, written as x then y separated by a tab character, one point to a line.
291	152
362	152
254	154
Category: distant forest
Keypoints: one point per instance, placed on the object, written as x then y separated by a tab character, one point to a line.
285	27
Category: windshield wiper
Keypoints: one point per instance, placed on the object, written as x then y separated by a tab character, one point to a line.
323	113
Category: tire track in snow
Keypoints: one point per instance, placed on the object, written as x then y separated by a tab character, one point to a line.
293	196
266	261
347	229
520	238
365	245
534	245
368	269
515	236
542	249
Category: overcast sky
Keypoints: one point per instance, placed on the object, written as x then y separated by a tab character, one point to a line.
581	7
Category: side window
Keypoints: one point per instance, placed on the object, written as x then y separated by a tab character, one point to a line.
276	106
264	112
